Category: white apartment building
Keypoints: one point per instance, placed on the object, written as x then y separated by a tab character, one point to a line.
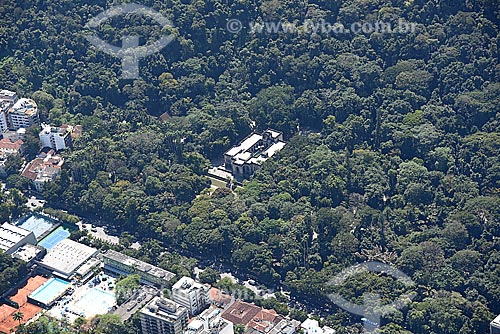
23	114
163	316
210	322
57	138
191	294
7	100
4	126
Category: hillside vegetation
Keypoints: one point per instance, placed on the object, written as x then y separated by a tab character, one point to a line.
397	159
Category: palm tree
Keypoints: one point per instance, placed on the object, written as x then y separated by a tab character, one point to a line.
18	316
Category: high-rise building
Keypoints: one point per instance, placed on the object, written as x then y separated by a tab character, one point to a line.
23	114
191	294
495	325
7	100
163	316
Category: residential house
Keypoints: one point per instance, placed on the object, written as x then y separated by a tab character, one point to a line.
43	169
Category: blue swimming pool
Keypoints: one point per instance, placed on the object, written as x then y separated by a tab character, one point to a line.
50	291
95	301
53	238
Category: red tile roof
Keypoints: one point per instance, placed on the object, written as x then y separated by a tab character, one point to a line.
219	298
251	316
6	144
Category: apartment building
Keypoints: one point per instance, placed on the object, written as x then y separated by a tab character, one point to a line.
191	294
163	316
7	100
57	138
210	322
23	114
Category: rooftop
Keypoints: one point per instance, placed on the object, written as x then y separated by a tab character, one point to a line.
253	317
209	321
27	252
7	93
40	168
187	284
67	256
241	312
219	298
10	235
245	145
62	130
6	144
139	265
164	308
285	326
136	302
24	106
256	148
496	321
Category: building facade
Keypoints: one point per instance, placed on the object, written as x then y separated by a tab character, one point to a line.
13	237
23	114
8	147
57	138
191	294
163	316
120	264
7	100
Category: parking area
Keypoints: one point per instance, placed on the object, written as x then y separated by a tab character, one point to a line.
99	232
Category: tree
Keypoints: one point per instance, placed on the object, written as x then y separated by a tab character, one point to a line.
239	329
126	286
209	276
18	316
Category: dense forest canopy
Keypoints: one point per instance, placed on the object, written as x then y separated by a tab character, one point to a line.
393	154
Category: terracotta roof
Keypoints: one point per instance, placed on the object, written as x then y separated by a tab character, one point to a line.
252	316
164	117
6	144
241	312
30	171
264	320
219	298
49	165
